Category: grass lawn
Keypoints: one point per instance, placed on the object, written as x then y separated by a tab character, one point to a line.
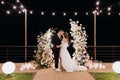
17	76
105	76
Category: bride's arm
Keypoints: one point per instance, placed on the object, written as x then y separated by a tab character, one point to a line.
58	46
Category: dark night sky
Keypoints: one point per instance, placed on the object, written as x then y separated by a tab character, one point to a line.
12	26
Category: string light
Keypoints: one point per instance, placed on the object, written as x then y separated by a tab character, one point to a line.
42	13
14	7
119	13
109	8
31	12
19	12
97	8
86	13
53	13
98	13
75	13
109	13
23	10
97	3
17	1
8	12
21	6
94	12
64	14
2	2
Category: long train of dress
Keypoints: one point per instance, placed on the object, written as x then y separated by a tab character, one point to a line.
67	63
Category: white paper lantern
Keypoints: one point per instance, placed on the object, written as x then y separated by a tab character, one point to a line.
116	67
8	67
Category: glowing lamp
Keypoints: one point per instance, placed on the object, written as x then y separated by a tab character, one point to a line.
2	2
119	14
8	67
97	3
64	14
86	13
75	13
42	13
8	12
116	67
53	13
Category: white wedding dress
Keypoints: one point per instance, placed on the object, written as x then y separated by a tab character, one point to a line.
67	63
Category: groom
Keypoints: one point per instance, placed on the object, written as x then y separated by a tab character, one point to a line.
56	41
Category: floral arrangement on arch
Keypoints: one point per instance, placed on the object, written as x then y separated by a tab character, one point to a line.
81	55
43	54
79	36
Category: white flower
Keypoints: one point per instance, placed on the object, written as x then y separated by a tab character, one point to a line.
79	39
70	19
44	48
77	22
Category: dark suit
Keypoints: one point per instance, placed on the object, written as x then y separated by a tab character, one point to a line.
56	51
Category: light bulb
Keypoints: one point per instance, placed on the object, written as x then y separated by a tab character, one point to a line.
42	13
21	6
94	11
97	3
64	14
109	13
53	13
8	12
2	2
19	12
24	10
17	1
75	13
98	13
86	13
31	12
119	13
109	8
97	8
14	7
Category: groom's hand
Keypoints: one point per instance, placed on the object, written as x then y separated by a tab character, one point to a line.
58	46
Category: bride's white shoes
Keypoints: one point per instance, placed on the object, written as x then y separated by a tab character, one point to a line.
58	69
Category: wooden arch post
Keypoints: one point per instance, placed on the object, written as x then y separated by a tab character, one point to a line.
95	36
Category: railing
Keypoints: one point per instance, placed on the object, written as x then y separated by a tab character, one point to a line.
17	53
105	53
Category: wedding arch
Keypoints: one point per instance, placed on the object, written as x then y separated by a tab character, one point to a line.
43	53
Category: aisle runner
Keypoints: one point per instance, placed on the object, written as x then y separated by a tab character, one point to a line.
51	74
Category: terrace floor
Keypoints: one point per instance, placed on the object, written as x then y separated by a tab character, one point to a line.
51	74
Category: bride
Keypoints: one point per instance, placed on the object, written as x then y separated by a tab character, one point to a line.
66	61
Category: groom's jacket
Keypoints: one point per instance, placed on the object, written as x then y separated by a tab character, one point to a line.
55	40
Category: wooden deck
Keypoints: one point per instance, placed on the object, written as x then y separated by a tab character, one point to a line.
51	74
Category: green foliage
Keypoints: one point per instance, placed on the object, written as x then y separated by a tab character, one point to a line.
17	76
105	76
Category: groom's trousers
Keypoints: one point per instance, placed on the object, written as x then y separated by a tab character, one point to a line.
56	53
